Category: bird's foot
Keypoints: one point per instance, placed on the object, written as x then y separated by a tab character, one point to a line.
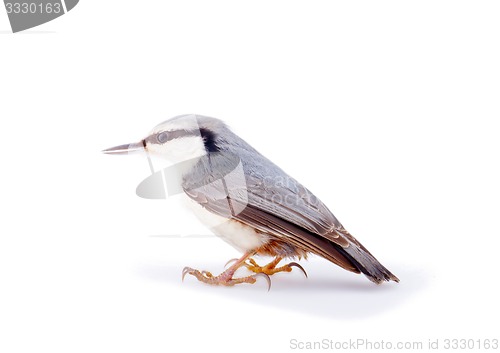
270	269
224	279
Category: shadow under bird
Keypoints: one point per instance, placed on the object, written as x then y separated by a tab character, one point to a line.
251	203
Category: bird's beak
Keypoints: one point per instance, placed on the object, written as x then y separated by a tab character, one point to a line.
127	148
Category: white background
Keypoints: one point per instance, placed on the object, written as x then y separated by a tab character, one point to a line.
386	110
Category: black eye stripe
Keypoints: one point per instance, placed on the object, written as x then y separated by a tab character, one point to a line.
209	137
165	136
209	140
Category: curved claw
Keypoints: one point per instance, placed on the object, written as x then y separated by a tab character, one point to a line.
207	274
232	260
268	279
185	271
291	264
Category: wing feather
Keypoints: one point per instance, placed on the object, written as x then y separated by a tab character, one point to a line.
288	212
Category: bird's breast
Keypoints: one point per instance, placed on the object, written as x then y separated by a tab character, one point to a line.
239	235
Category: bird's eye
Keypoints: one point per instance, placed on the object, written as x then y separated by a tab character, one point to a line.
162	137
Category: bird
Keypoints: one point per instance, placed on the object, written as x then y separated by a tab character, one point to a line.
251	203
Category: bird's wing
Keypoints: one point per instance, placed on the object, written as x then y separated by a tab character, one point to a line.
279	206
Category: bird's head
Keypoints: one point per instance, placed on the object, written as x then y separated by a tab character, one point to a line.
178	139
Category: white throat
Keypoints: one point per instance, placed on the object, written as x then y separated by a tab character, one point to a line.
182	153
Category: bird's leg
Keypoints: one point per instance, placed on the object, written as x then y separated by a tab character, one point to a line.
226	278
270	269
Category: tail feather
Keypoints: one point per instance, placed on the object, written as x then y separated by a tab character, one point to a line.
367	264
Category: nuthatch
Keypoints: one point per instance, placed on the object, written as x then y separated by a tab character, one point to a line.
251	203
